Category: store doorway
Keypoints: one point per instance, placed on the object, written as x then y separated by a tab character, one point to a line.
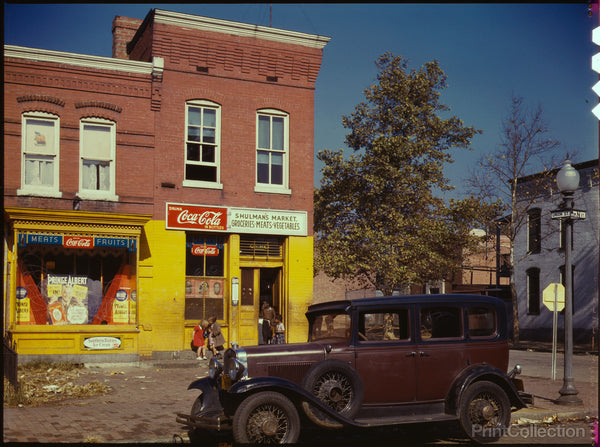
257	285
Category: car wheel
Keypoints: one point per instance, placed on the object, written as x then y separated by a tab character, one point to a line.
266	418
484	412
338	386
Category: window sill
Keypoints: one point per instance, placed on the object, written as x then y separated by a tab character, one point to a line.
96	195
39	193
272	189
198	184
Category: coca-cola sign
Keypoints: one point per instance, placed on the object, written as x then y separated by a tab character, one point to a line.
78	242
193	217
204	250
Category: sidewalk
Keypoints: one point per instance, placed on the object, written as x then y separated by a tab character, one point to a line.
145	397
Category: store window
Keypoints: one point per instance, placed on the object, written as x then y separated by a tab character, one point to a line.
272	135
75	280
40	152
204	276
202	140
97	152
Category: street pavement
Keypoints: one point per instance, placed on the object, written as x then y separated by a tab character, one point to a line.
146	395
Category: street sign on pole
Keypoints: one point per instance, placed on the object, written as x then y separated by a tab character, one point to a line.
554	296
554	299
568	214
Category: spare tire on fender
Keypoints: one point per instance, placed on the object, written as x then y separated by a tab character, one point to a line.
338	386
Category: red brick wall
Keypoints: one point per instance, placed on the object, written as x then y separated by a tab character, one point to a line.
73	93
123	29
237	80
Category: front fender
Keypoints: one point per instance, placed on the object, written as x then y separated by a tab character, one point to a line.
476	373
295	393
210	403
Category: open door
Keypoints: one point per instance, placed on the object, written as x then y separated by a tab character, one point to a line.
257	285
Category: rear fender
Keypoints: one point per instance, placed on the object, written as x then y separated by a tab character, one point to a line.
475	374
295	393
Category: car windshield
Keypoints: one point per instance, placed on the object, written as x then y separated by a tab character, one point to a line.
330	325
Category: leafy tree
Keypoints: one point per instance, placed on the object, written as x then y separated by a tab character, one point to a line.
524	148
377	216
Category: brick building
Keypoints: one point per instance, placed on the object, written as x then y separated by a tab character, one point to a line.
166	184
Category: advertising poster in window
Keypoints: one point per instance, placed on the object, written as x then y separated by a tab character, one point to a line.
67	299
31	305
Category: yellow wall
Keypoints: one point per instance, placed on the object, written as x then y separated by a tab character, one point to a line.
298	286
161	297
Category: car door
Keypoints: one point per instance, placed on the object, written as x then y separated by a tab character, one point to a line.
385	355
441	349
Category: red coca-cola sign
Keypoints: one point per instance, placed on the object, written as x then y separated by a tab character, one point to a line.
204	250
78	242
193	217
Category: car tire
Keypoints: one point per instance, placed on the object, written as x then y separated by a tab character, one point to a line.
266	418
484	412
338	386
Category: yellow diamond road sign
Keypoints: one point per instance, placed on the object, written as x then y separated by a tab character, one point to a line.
549	295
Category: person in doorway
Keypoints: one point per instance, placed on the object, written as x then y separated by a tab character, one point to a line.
279	337
217	339
267	314
198	343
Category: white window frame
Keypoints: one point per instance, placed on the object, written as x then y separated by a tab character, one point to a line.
40	190
203	104
267	187
93	194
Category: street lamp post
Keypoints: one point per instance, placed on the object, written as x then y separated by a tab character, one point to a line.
567	181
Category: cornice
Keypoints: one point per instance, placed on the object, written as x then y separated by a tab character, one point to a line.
49	216
80	60
240	29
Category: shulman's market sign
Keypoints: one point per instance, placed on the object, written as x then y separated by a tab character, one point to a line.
236	220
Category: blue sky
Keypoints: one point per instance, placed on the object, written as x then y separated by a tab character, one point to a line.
541	52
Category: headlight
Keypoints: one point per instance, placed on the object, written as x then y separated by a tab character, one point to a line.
214	368
233	367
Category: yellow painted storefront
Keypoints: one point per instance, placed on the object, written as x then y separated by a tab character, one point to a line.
157	324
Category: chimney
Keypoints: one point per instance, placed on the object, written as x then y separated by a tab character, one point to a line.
123	29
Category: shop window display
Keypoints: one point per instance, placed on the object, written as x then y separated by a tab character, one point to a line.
64	286
204	265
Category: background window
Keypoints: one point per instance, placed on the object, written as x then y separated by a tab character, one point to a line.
202	142
272	147
40	148
533	291
534	231
97	150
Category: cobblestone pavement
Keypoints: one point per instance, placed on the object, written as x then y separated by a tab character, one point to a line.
145	397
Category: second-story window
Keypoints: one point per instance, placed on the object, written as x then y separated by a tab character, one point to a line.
272	151
40	149
97	148
202	140
534	231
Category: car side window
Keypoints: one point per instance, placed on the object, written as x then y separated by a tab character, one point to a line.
383	326
440	322
333	325
482	321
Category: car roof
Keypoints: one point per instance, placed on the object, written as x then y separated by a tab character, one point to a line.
406	299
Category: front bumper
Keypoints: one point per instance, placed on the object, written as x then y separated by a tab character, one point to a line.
218	423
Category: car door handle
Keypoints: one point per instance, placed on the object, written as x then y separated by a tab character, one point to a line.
423	354
411	354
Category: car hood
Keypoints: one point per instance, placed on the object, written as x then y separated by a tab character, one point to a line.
289	361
